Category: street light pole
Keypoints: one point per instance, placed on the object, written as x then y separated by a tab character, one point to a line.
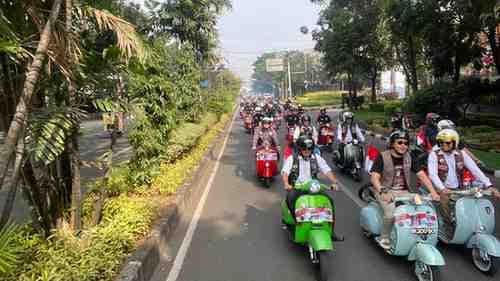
289	76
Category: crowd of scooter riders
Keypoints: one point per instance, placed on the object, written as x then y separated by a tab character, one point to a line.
449	201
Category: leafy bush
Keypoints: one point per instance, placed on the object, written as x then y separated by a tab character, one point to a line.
391	107
95	255
377	107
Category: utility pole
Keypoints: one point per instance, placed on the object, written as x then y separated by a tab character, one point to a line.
289	76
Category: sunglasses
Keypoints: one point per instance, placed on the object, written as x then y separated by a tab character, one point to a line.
402	143
446	142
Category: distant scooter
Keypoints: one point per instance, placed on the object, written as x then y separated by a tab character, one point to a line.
312	224
353	157
266	163
414	234
475	225
326	136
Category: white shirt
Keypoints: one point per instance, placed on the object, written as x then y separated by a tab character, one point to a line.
452	178
305	167
348	136
296	133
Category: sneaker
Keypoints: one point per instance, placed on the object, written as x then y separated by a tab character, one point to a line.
385	243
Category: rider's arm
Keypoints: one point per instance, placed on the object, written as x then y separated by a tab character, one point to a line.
325	169
432	168
422	176
285	172
315	134
339	132
296	133
474	169
256	135
376	173
360	135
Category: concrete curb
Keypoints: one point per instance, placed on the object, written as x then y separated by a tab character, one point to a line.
143	262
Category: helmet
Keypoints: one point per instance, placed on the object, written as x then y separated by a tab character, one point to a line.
347	115
432	118
258	109
306	118
445	124
448	135
305	142
267	120
397	135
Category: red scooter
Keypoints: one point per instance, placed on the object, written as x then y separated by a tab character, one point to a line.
266	163
326	136
248	123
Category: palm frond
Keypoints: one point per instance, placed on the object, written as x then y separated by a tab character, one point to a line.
8	253
48	131
129	41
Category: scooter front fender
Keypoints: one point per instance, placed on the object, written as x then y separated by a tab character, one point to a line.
485	242
427	254
320	240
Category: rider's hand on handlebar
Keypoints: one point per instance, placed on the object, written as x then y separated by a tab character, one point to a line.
334	186
387	197
446	190
435	196
288	187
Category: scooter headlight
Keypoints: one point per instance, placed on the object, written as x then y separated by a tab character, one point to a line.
315	187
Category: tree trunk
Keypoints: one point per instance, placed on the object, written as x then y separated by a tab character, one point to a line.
374	84
22	109
456	72
16	175
38	198
412	57
76	191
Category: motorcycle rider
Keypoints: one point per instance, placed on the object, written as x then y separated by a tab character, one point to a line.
390	177
257	117
426	135
265	132
293	118
306	128
446	167
302	167
323	118
347	131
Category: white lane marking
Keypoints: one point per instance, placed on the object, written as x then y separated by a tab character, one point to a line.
181	254
351	195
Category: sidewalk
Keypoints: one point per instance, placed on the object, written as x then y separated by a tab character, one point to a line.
94	141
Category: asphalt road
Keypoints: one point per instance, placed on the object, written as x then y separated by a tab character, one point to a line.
94	142
239	236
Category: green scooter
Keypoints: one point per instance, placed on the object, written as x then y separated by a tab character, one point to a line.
313	224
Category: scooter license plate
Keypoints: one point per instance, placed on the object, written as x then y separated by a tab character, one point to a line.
314	215
420	231
267	156
416	220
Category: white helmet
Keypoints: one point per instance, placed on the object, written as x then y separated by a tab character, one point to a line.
258	109
445	124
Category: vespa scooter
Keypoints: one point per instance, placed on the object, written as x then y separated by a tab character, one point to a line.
414	234
312	224
474	228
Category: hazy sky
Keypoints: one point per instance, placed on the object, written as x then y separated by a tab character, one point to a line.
256	26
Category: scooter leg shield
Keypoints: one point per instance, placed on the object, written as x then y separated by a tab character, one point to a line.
320	240
427	254
286	214
485	242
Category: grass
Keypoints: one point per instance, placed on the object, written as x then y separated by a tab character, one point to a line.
368	116
323	98
491	159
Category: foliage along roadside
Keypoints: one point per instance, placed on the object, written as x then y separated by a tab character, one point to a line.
322	98
97	253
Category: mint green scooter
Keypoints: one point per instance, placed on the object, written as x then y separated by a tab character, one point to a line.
313	224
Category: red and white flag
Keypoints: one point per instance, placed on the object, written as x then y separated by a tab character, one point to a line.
372	154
